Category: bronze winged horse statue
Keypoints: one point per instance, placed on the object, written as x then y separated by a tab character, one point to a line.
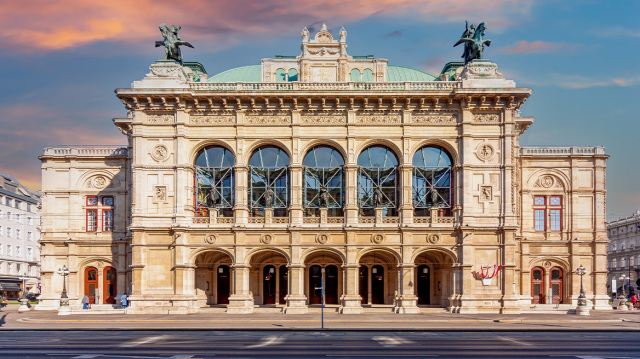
172	43
473	42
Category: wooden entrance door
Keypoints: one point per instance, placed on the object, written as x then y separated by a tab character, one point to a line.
555	283
377	284
223	284
269	285
284	284
91	283
363	283
331	284
110	287
424	285
537	285
315	281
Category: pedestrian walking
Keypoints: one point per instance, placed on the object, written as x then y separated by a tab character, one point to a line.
124	300
85	302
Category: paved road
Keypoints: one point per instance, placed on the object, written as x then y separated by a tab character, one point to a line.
333	345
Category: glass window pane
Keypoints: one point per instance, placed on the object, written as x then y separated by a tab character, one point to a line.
92	275
537	274
536	289
539	219
555	219
555	288
555	201
538	201
555	274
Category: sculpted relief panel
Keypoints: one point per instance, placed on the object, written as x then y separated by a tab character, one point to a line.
160	118
268	120
323	119
486	117
378	118
435	118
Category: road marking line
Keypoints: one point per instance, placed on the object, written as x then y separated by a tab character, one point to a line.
146	340
519	342
266	341
391	341
382	355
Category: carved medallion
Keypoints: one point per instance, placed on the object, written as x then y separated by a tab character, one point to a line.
547	264
377	238
485	151
266	238
546	181
322	238
433	238
99	182
160	152
210	238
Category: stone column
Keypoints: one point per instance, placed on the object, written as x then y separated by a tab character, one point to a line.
351	194
406	195
240	302
351	301
295	205
241	207
369	284
296	300
407	301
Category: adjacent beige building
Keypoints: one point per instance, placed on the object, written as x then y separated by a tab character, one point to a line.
393	187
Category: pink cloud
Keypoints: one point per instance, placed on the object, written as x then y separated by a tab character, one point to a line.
43	25
534	47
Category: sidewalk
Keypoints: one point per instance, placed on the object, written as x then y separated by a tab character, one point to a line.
11	319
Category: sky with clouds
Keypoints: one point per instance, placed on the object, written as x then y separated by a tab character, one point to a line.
63	59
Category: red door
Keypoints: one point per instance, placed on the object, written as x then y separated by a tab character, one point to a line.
537	285
110	286
91	283
556	285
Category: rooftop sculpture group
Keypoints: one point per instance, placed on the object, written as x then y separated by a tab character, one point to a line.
172	43
472	37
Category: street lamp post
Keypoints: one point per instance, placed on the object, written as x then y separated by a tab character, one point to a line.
623	301
24	301
64	299
582	308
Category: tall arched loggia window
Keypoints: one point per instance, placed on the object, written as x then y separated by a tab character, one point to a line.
432	181
269	181
323	179
214	181
377	181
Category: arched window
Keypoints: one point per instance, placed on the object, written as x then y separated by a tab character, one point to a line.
323	181
377	181
214	181
293	75
367	75
355	75
281	75
432	181
269	181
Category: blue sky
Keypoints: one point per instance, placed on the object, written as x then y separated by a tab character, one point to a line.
62	62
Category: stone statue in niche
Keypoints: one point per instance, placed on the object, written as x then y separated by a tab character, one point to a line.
343	35
214	196
324	197
268	198
435	196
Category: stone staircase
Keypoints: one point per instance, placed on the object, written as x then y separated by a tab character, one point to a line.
97	309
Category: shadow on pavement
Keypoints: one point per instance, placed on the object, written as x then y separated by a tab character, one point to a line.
2	321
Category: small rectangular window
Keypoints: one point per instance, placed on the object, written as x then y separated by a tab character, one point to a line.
539	219
29	207
107	201
107	220
9	232
92	220
92	201
539	201
17	204
8	201
9	250
555	201
18	234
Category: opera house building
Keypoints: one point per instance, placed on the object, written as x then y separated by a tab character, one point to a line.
387	186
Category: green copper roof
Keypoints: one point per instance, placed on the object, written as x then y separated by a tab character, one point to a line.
251	73
401	73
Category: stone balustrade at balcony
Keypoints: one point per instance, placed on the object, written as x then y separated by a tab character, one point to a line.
561	151
86	151
325	86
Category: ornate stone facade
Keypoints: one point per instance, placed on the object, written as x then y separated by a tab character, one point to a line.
177	247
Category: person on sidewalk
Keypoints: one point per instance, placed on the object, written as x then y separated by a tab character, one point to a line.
85	302
124	301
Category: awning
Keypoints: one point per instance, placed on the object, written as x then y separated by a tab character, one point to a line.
11	287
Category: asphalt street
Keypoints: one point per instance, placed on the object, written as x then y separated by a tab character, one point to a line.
319	344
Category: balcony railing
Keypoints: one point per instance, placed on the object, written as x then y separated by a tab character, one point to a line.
556	151
101	151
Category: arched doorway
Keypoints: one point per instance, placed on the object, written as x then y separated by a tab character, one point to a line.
109	286
433	275
213	278
328	265
555	284
91	283
537	285
223	284
269	285
424	284
381	271
269	277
